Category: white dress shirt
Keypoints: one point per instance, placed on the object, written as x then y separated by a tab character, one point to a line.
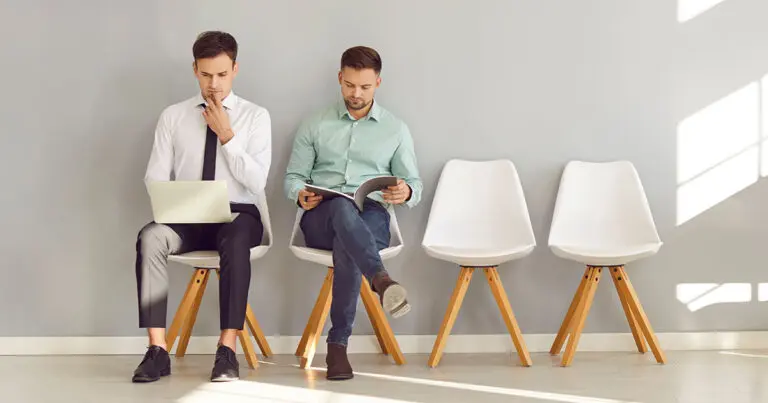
243	162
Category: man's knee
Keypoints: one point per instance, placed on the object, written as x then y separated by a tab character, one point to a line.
156	238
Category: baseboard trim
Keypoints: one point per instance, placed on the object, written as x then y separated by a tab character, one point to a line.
409	344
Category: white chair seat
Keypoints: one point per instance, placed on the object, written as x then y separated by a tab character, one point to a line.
325	257
209	259
605	256
478	256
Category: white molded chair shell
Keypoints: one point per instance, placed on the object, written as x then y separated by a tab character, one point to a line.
602	216
210	259
479	216
325	257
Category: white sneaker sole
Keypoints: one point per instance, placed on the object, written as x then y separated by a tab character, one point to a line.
395	302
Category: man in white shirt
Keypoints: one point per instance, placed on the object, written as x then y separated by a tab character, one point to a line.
214	135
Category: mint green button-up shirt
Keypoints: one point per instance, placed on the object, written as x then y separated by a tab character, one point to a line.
333	150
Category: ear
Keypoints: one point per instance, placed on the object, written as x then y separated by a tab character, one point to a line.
339	77
194	67
378	81
235	69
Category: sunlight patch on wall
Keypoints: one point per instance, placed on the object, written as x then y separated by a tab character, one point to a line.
696	296
719	151
690	9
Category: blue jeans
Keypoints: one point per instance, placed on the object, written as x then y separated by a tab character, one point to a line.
355	239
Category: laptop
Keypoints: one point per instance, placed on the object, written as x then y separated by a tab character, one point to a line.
190	202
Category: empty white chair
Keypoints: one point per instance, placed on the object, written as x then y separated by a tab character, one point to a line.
602	219
204	262
386	338
479	219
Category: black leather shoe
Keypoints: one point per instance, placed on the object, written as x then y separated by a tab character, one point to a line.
339	368
225	367
156	363
392	295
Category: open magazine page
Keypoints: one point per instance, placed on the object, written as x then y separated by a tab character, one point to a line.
326	193
372	185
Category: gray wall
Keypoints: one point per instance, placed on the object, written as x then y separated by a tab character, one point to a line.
537	82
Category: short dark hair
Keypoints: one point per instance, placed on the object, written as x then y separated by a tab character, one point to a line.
361	57
213	43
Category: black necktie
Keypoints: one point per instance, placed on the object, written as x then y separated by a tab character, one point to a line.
209	158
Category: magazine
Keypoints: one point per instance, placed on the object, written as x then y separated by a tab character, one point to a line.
368	187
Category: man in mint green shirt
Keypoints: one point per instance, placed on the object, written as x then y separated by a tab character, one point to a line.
340	148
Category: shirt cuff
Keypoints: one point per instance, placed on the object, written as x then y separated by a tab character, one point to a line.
412	199
295	189
234	145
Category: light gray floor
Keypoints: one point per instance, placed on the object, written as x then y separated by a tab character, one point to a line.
696	377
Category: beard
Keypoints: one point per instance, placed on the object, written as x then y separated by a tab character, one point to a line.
356	106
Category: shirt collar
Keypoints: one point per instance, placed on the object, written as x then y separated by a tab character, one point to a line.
374	113
229	102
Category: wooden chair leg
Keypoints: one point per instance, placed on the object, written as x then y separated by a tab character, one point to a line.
465	276
248	350
557	346
318	322
186	333
580	315
369	310
639	314
624	298
301	349
379	321
258	334
492	275
182	313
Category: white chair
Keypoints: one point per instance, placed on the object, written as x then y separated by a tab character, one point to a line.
479	219
602	219
309	339
186	314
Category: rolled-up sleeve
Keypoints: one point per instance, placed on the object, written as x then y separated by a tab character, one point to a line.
300	165
404	165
